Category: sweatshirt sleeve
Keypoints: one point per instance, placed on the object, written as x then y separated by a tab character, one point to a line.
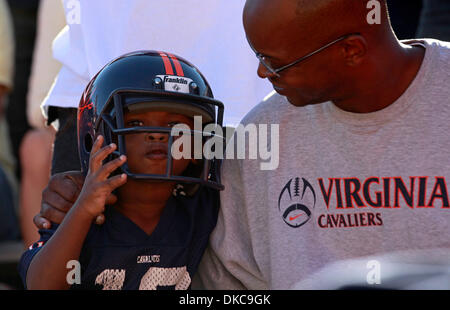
228	262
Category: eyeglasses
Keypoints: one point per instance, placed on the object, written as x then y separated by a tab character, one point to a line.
266	62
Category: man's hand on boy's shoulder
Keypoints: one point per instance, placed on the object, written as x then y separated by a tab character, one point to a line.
59	196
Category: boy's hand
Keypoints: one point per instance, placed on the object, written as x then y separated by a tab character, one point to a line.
97	186
59	196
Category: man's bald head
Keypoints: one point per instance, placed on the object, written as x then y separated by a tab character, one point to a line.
312	19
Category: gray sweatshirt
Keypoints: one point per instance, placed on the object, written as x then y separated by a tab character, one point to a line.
348	186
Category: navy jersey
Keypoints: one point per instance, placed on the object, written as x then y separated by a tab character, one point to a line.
120	255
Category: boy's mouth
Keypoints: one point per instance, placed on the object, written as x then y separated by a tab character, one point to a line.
157	152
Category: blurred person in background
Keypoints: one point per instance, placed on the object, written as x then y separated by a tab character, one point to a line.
23	14
9	228
36	146
7	161
435	20
8	222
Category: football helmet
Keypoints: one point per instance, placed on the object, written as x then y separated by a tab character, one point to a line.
151	80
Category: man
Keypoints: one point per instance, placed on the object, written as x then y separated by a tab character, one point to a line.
363	149
363	165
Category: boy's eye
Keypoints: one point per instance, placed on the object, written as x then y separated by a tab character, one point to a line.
138	123
135	123
173	123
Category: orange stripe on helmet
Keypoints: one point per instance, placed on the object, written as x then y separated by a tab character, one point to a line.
167	64
177	65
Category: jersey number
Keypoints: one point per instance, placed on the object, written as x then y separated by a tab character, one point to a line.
112	279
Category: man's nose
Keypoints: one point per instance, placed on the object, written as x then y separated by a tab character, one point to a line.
263	72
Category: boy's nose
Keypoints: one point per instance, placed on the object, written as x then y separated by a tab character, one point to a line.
157	137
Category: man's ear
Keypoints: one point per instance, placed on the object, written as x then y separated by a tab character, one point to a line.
354	49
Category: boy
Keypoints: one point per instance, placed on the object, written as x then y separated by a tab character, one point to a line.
155	234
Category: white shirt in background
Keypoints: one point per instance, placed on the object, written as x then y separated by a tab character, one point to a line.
207	33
